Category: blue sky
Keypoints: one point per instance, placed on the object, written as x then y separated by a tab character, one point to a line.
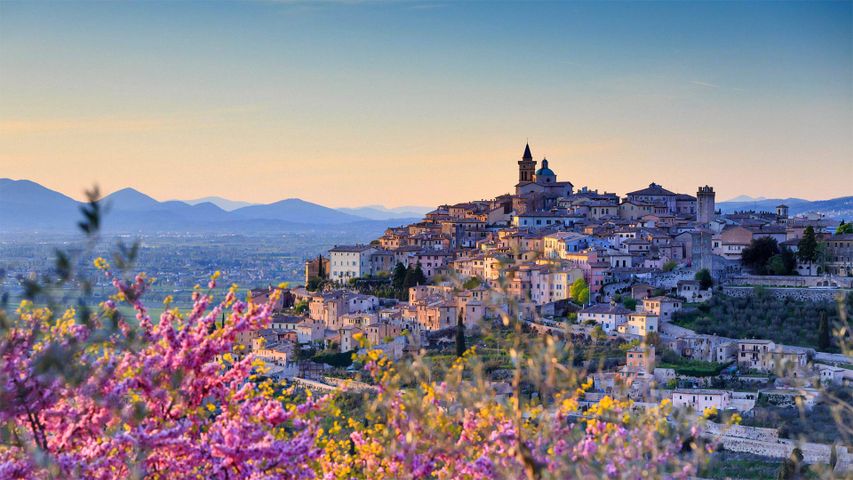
348	103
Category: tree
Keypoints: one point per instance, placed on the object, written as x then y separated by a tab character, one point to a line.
807	248
583	296
321	272
704	278
314	284
823	334
792	467
301	306
598	333
653	339
844	228
833	457
669	266
398	278
758	253
783	263
414	277
628	302
460	335
776	266
471	283
576	291
420	278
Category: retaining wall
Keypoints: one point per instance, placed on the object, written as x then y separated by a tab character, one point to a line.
803	294
766	442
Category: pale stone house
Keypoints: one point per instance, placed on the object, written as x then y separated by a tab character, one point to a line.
640	323
662	306
700	399
609	316
349	261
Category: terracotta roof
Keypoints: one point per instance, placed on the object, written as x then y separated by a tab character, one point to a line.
607	309
350	248
653	190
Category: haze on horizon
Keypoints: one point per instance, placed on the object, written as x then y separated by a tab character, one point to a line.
421	103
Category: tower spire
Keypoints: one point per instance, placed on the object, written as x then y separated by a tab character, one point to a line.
526	166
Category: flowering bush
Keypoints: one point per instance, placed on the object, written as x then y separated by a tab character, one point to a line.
172	403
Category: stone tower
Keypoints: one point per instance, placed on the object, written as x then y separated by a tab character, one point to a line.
526	166
705	206
782	212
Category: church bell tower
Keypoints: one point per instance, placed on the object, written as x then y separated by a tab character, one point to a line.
526	166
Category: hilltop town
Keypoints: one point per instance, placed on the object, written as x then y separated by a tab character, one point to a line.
622	278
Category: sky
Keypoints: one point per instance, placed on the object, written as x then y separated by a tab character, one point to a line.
348	103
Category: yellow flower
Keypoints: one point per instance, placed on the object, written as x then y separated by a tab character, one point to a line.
25	306
101	264
709	412
569	405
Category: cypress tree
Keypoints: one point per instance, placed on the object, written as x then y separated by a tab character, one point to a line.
420	278
321	272
460	335
398	278
823	340
807	248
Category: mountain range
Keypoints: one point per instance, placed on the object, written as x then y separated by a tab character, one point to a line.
372	212
26	206
835	208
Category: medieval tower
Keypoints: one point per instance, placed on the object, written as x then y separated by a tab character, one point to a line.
705	204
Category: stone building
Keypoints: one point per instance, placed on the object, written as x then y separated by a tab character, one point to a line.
705	199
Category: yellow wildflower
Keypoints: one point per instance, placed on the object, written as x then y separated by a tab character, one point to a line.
101	264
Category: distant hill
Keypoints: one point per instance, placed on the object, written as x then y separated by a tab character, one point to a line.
379	212
768	204
26	206
296	210
836	208
128	199
223	203
745	198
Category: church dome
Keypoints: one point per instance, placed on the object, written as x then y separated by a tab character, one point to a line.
545	171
